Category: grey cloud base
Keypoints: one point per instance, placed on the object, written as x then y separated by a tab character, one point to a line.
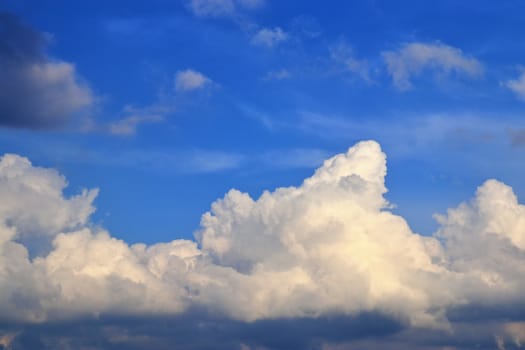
329	249
36	92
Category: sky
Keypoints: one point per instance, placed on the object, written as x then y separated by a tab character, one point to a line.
262	174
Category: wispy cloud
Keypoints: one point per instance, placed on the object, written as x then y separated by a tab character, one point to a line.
190	161
222	8
128	125
342	53
413	59
189	80
517	86
269	37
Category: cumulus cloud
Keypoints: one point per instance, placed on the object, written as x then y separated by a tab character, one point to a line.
36	91
412	59
269	37
329	246
189	80
517	86
33	204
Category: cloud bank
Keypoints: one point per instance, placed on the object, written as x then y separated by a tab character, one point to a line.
327	248
36	91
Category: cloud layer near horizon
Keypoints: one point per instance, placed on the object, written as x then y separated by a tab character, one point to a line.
329	246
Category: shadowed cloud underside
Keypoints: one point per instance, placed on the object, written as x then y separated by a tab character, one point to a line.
330	246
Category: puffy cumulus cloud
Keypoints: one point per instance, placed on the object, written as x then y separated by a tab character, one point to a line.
222	8
33	204
189	80
326	250
412	59
315	241
35	90
517	86
269	37
484	240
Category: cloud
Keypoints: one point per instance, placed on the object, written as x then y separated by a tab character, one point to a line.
222	8
136	116
343	54
328	249
128	125
517	86
33	204
269	37
407	136
36	91
7	339
413	59
516	136
189	80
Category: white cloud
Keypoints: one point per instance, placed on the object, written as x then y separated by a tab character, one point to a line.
128	125
269	37
412	59
32	201
328	246
212	7
492	223
135	116
189	80
222	8
517	85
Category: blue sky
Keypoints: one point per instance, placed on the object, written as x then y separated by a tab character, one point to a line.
165	106
252	109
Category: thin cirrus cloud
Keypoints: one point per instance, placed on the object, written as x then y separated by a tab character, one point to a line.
517	86
327	247
135	117
412	59
343	54
36	91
